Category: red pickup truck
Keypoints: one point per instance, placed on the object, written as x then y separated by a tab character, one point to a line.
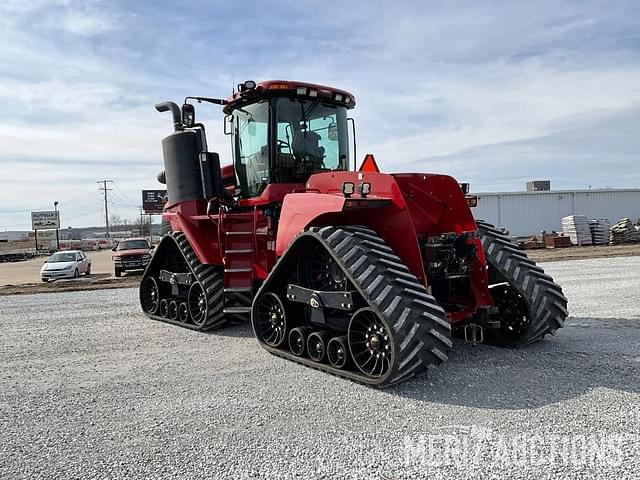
131	254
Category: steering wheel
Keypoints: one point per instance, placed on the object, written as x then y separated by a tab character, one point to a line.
282	144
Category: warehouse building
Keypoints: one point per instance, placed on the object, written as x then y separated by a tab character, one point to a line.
528	213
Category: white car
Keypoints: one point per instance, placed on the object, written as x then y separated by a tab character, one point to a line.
67	264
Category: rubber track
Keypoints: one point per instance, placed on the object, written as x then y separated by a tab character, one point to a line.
211	277
420	330
547	304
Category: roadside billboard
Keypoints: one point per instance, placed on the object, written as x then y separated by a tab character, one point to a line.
153	201
45	220
46	239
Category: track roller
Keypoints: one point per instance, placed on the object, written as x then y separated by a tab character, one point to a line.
298	340
183	312
317	346
338	352
164	308
173	310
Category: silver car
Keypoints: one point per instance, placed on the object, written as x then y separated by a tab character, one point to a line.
67	264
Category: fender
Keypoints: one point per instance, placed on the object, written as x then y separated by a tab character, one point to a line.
184	218
391	220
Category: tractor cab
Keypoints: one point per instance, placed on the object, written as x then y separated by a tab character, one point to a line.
283	132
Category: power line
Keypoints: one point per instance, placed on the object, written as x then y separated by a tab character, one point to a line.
106	208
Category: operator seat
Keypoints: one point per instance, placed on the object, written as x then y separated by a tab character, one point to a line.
306	145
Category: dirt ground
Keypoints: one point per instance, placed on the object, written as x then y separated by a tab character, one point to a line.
24	277
579	253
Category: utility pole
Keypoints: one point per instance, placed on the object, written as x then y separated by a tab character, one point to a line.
106	207
141	222
55	206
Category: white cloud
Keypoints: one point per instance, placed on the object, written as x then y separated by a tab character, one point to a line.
495	94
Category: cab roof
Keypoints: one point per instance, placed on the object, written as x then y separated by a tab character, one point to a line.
287	88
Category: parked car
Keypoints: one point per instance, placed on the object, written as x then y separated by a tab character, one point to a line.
65	264
131	254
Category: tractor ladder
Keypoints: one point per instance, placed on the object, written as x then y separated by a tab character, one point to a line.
238	235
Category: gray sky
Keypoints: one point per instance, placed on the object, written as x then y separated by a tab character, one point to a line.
494	93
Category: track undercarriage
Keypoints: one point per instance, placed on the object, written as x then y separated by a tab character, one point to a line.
177	288
341	301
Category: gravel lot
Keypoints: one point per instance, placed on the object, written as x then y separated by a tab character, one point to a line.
92	389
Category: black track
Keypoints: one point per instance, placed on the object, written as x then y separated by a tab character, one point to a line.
541	300
420	333
210	278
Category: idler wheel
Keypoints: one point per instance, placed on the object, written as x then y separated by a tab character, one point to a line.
271	320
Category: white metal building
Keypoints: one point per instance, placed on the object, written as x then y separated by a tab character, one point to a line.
528	213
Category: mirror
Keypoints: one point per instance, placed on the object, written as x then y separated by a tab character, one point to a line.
251	127
188	115
114	249
332	132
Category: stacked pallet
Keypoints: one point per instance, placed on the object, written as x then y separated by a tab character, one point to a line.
599	231
624	232
576	227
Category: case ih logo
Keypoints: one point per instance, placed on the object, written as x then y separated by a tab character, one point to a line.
45	220
153	201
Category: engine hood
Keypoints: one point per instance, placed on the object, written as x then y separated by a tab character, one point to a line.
126	253
57	266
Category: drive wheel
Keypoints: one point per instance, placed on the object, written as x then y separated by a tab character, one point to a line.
319	271
149	295
197	303
370	343
271	320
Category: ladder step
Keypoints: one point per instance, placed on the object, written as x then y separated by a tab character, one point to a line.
238	290
241	250
237	270
237	310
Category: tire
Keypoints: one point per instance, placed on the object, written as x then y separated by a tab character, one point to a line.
88	272
531	304
117	272
76	274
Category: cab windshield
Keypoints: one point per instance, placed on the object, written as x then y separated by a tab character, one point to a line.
309	136
133	245
62	257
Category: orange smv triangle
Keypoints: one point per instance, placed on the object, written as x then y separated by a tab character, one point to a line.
369	164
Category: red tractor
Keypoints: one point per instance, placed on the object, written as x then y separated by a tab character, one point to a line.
362	274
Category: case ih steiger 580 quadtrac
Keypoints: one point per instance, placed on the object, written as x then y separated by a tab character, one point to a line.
362	274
